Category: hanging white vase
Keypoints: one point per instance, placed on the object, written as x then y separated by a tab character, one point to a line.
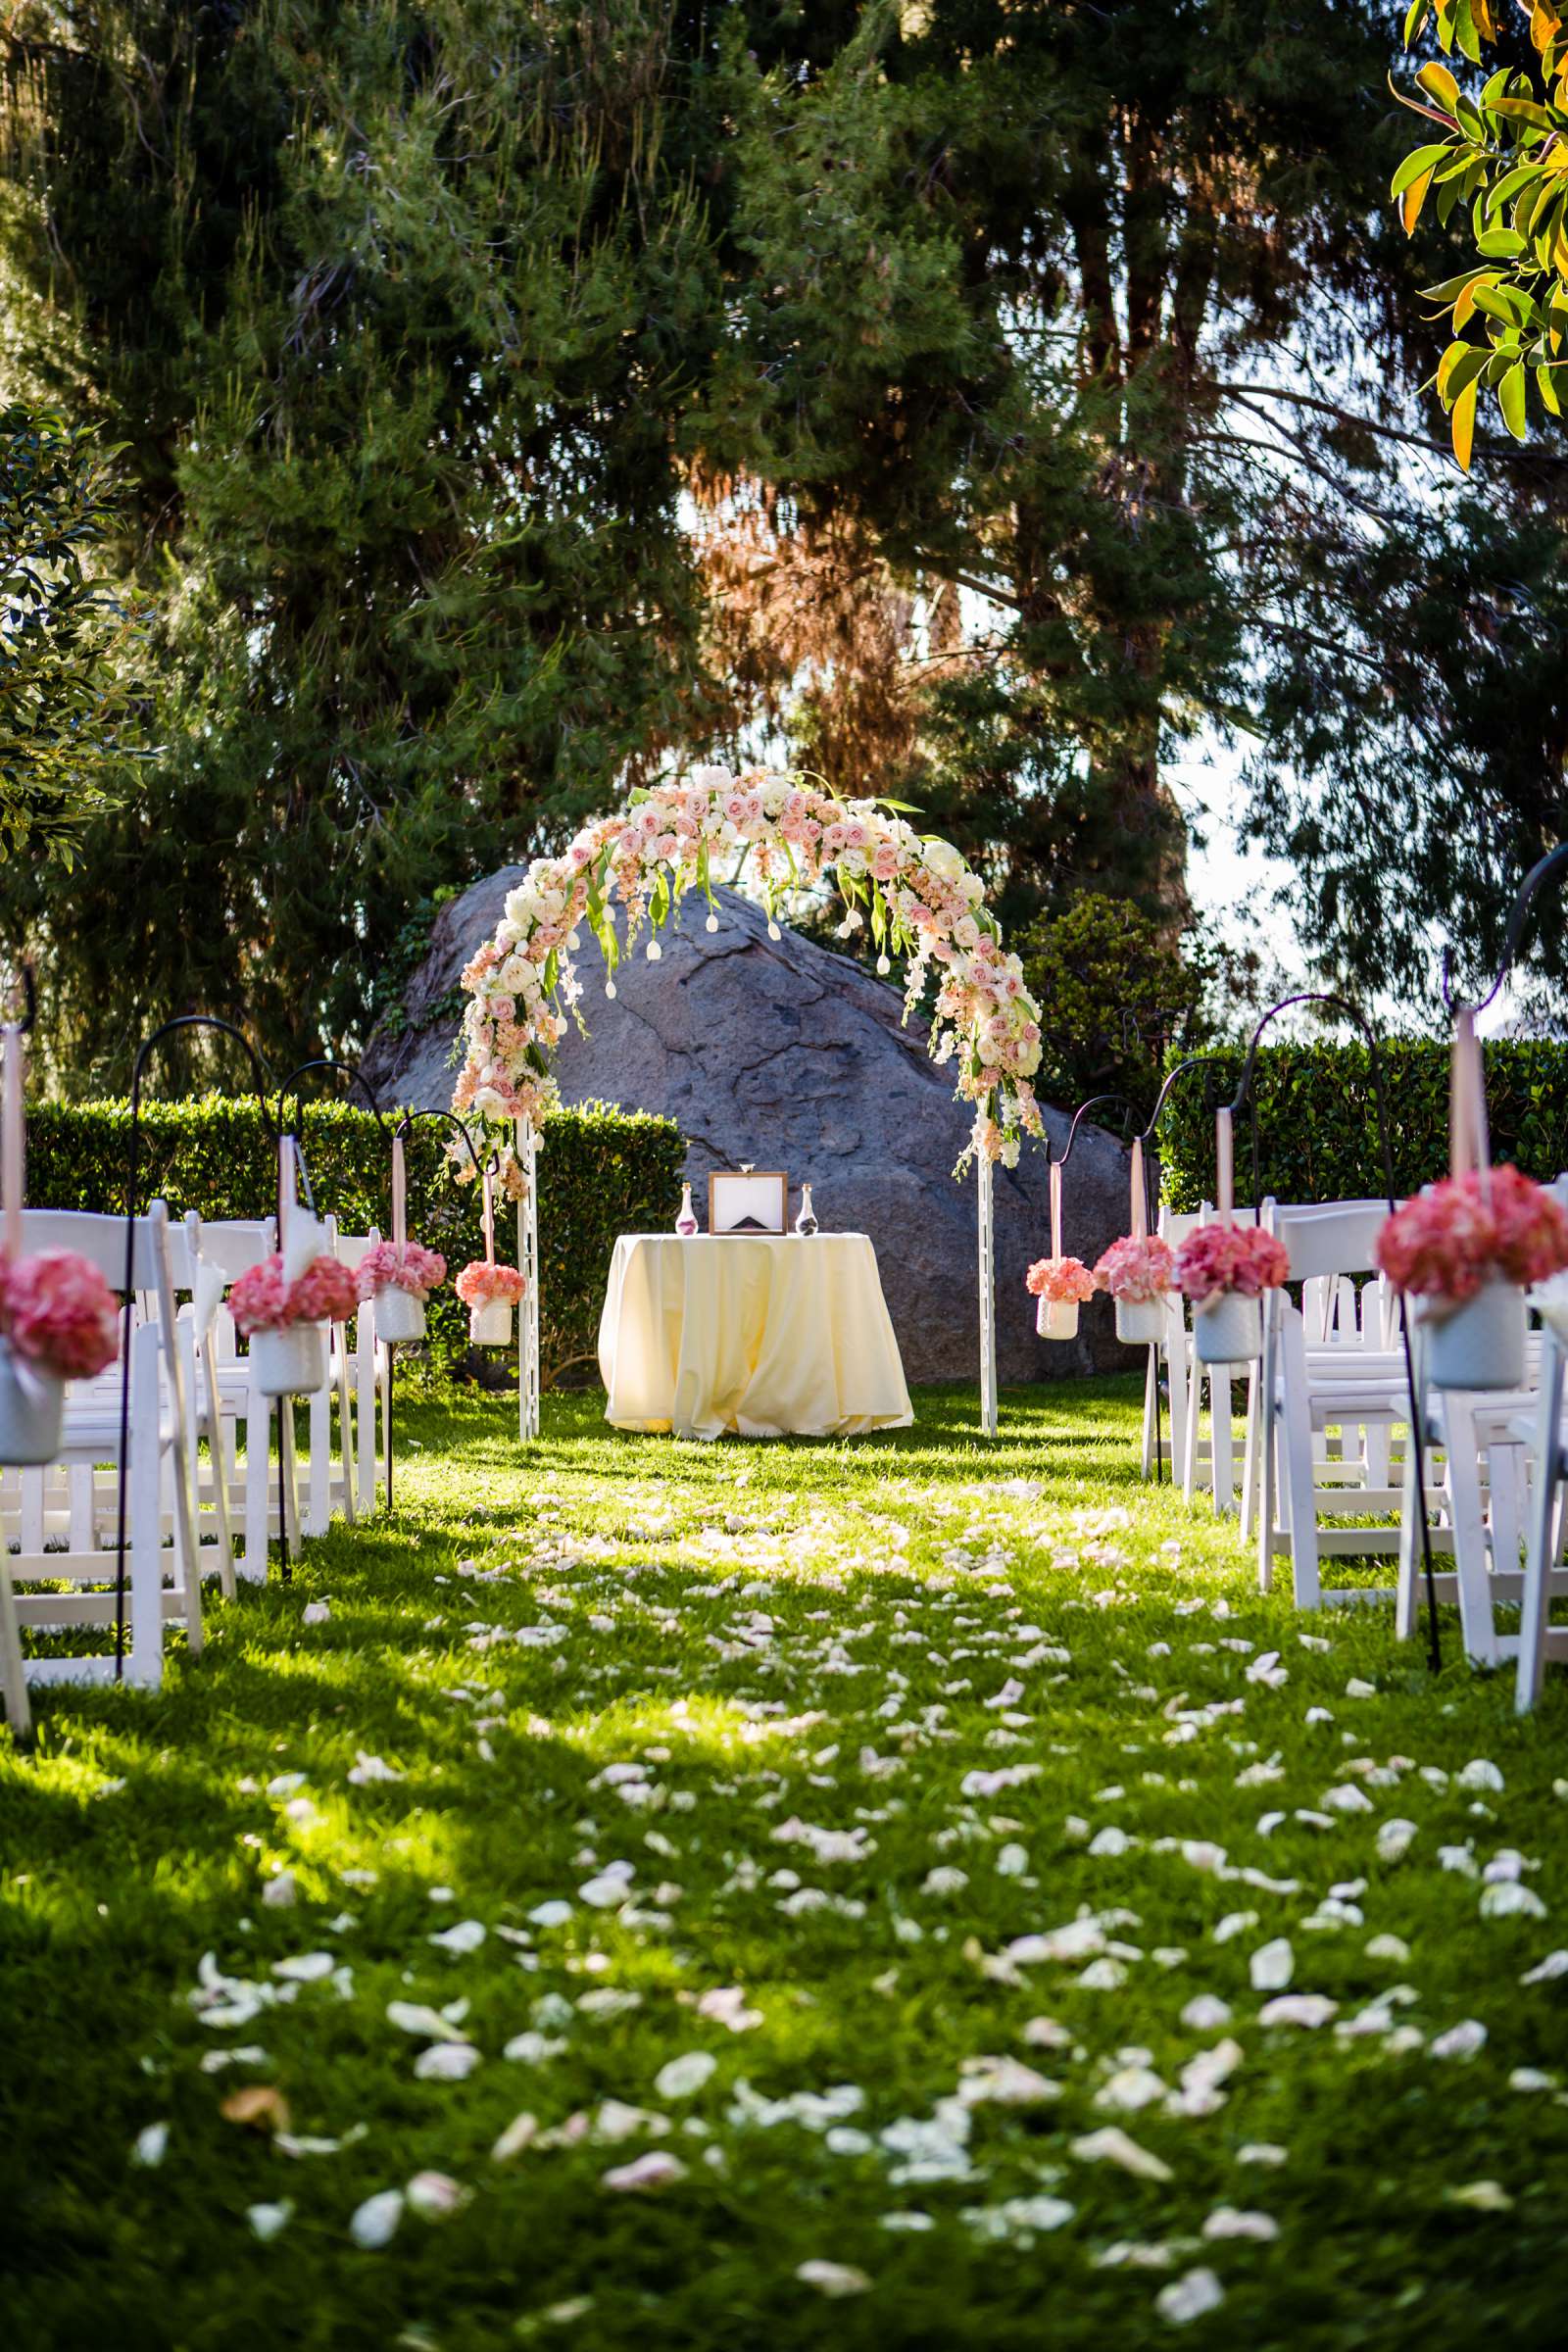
1057	1318
490	1325
1140	1322
1229	1329
399	1316
291	1362
32	1401
1480	1344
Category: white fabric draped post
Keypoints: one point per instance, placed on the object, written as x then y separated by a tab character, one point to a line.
528	1267
985	1202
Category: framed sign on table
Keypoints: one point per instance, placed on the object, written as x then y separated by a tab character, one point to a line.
747	1201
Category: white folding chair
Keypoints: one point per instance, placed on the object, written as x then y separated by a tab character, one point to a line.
230	1248
66	1521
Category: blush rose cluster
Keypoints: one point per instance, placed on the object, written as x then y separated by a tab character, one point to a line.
261	1301
59	1313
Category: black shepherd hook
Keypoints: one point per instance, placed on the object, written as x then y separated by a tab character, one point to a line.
1530	888
183	1020
1243	1095
1093	1103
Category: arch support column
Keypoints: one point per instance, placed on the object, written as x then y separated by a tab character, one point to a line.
985	1177
528	1267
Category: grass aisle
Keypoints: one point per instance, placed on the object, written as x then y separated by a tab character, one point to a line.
889	1895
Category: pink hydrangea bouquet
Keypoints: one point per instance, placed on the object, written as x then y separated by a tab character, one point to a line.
261	1301
1452	1240
414	1269
59	1313
1137	1271
1236	1260
484	1284
1059	1280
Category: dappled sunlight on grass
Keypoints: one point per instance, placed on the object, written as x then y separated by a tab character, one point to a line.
611	1751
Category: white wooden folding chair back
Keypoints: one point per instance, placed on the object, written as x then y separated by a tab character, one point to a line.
329	1484
79	1549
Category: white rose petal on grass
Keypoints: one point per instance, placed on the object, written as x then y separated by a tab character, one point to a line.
833	2278
374	2223
1004	2083
1482	2196
518	2134
725	2006
305	1968
467	1937
1130	2088
1462	2040
1507	1899
1554	1965
268	2221
280	1891
435	2197
1479	1774
316	1612
1205	2013
1272	1966
366	1771
682	2078
1112	2146
151	2146
414	2017
644	2176
1394	1839
446	2062
1190	2297
1309	2009
1226	2222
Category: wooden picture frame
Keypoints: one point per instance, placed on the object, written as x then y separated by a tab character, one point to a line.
747	1201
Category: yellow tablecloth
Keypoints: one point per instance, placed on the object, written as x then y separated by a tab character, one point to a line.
766	1335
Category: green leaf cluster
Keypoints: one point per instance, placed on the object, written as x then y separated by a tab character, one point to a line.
603	1171
68	722
1506	156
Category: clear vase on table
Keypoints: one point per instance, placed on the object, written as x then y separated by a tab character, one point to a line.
805	1223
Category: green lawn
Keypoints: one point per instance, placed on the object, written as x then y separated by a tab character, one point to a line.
874	1850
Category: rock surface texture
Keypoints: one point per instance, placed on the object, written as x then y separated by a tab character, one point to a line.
780	1053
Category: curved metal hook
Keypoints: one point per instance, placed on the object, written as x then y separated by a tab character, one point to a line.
452	1120
1093	1103
351	1070
1352	1012
1193	1061
1529	890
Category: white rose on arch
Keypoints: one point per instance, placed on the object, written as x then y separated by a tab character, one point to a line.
944	861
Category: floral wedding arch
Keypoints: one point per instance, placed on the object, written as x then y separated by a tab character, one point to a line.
918	898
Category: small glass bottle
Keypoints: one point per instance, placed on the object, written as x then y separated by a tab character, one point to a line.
686	1222
805	1222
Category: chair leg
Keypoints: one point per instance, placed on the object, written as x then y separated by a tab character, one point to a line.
1298	1483
345	1427
13	1669
145	1664
258	1478
1150	1418
1222	1441
365	1361
1545	1530
1463	1449
219	1456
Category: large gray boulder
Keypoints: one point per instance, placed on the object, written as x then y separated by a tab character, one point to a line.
780	1053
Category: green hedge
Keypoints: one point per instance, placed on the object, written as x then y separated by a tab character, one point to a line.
1317	1125
601	1171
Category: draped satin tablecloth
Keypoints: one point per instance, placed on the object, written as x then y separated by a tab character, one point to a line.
766	1335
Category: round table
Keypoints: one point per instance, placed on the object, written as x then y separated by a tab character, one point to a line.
765	1335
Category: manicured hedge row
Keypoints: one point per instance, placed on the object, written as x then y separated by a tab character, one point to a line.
601	1171
1317	1135
1318	1128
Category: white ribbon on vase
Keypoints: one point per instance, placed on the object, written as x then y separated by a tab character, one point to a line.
1138	1227
300	1234
1469	1144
